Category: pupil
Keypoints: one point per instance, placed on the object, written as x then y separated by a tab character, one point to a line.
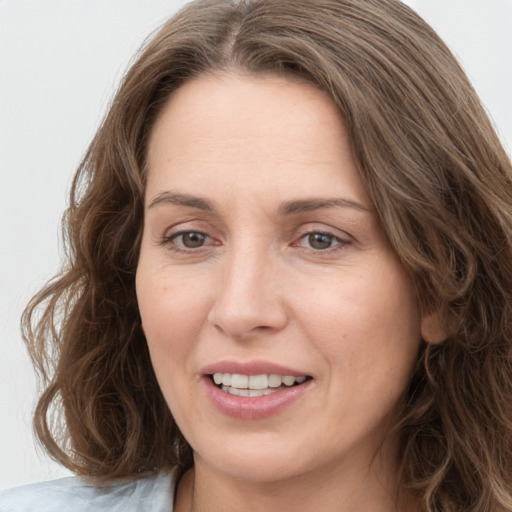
320	241
192	240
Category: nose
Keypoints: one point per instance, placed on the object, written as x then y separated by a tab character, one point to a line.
249	300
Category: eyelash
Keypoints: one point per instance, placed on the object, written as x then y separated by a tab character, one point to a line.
339	244
170	241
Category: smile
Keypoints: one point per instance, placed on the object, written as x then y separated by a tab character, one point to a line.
254	391
255	385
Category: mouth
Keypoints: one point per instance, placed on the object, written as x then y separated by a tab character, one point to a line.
255	385
254	390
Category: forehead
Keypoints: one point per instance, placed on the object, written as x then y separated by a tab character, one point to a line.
268	131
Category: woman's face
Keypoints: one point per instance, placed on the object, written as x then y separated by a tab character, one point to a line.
262	258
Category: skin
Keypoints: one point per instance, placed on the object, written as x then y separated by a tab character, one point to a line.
259	286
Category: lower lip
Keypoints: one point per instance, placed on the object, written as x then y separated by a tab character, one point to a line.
257	407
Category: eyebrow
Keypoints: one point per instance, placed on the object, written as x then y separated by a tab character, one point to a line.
308	205
287	208
182	200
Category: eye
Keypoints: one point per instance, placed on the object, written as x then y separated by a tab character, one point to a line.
189	239
320	241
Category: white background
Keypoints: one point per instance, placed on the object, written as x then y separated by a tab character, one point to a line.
59	64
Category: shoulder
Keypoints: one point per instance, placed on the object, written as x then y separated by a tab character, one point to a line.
153	492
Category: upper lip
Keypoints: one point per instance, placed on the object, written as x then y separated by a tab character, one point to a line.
251	368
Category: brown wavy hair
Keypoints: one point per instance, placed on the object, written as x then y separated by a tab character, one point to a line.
440	181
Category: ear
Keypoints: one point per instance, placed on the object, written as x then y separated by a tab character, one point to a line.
432	328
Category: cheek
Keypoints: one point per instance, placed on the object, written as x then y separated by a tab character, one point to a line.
173	311
366	326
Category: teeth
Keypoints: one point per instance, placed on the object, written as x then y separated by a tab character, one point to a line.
239	382
288	380
258	382
246	392
274	381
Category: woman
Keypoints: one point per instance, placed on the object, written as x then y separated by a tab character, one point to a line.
289	284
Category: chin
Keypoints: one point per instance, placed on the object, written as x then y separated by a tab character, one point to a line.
265	460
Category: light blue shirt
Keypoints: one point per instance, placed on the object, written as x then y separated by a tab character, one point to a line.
151	493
